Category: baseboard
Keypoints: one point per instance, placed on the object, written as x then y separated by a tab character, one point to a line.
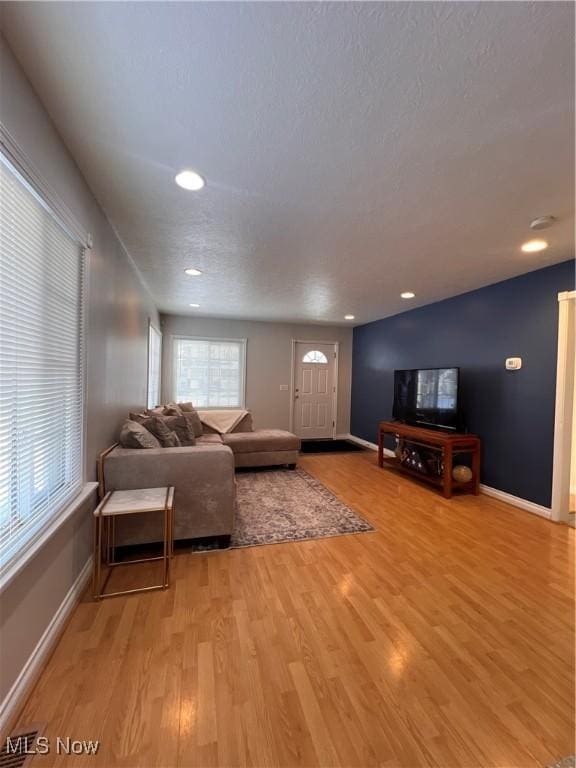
366	444
23	684
516	501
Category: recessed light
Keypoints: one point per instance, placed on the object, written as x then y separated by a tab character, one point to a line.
533	246
189	180
349	317
407	295
193	271
195	306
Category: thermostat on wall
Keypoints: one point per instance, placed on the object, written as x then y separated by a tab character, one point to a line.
513	363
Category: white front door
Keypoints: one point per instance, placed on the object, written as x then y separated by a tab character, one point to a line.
314	388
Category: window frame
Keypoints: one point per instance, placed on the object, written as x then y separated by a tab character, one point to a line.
243	343
152	327
20	165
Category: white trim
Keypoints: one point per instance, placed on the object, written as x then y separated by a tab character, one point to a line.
30	672
152	326
243	342
85	334
367	444
42	190
360	441
563	408
516	501
46	533
336	345
18	164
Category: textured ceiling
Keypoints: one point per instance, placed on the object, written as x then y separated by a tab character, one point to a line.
351	150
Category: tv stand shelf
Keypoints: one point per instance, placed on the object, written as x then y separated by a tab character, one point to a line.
443	446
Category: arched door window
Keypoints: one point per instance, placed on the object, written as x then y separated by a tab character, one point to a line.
315	356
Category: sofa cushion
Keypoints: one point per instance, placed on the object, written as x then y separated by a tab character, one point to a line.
135	435
196	423
186	407
261	440
158	427
209	439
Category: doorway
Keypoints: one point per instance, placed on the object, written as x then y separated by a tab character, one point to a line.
314	389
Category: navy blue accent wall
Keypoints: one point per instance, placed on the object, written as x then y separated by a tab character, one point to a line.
512	411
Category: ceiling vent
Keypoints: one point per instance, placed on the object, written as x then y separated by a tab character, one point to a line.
542	222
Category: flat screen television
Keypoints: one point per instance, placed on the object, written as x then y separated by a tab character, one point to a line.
427	397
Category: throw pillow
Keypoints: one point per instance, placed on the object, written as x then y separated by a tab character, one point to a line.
196	423
186	407
157	411
156	425
183	427
171	410
135	435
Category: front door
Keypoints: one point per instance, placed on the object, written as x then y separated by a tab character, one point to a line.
314	388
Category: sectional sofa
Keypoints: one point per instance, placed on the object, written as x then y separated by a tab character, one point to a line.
202	475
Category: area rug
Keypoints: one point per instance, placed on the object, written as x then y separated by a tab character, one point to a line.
565	762
275	506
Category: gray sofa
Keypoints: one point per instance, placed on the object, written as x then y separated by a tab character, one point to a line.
205	489
203	478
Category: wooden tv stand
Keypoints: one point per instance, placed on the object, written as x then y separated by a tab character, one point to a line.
441	446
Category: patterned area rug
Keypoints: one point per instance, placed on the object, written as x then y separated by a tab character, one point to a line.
566	762
276	506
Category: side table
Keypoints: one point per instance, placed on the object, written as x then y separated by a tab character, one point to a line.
116	504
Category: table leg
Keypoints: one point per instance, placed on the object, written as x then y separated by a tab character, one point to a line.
447	479
172	524
166	559
97	557
476	469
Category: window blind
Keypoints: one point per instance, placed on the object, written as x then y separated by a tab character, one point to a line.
41	365
154	365
209	372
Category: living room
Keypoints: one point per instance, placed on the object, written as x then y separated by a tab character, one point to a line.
307	271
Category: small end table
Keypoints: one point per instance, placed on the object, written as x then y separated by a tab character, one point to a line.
116	504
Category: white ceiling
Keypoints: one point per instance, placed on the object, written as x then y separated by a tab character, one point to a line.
351	150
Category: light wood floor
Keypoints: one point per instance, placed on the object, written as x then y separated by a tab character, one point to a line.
443	639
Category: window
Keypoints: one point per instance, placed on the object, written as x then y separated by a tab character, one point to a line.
209	372
154	365
315	357
41	366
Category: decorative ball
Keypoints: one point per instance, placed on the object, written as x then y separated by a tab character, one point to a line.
462	474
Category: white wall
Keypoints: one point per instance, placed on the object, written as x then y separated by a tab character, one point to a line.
268	362
118	309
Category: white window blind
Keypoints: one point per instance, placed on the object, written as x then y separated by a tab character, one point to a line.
41	366
154	365
209	372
